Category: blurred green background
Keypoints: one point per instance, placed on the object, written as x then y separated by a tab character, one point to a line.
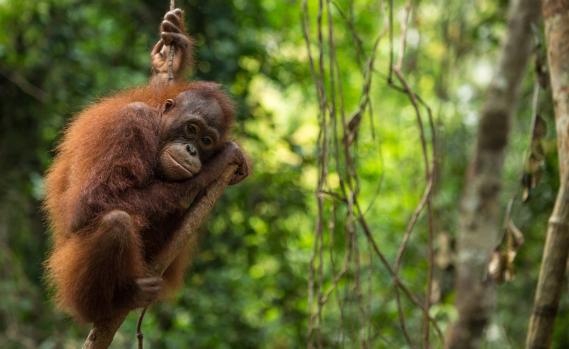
248	286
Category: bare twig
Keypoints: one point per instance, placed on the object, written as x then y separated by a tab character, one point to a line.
427	199
395	277
403	36
314	323
171	50
391	51
139	334
24	85
329	89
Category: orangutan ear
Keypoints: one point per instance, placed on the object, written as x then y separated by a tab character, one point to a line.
168	105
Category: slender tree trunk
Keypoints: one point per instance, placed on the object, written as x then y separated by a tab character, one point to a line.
550	283
480	209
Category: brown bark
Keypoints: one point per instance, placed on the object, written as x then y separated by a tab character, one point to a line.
101	336
552	272
480	206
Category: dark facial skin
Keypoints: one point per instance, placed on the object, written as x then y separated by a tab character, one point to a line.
192	132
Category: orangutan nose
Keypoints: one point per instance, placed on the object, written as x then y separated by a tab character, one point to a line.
191	149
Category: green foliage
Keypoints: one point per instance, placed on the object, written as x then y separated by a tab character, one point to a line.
247	288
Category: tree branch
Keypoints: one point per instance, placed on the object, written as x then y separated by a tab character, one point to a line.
23	84
480	206
102	334
556	250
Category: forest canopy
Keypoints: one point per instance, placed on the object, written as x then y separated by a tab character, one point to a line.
367	123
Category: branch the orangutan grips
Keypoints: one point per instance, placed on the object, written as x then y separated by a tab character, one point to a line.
114	190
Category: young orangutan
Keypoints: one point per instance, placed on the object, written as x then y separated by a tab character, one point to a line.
125	173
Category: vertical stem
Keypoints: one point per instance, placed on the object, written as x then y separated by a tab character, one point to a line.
480	205
555	254
139	334
171	50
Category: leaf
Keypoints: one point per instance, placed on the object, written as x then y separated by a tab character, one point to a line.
501	266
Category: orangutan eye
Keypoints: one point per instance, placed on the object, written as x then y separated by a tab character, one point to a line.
191	129
206	141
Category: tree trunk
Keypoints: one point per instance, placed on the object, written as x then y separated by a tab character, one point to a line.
552	272
480	208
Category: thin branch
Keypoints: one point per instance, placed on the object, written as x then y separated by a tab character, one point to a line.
24	85
403	36
395	277
139	334
171	50
426	200
391	53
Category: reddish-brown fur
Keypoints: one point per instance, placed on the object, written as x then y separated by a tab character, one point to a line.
107	161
